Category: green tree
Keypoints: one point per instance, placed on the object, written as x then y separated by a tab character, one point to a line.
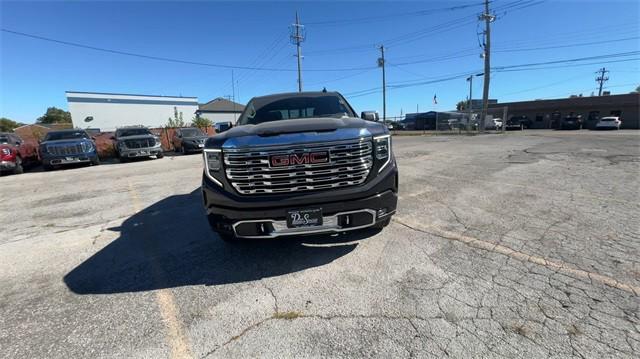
201	122
7	125
461	105
55	115
177	120
638	89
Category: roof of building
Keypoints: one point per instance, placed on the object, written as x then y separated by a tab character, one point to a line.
124	94
220	105
630	99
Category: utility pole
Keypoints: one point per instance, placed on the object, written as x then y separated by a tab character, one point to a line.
297	37
384	85
233	89
601	79
488	19
470	79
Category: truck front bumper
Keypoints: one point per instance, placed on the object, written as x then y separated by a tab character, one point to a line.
343	210
7	165
140	152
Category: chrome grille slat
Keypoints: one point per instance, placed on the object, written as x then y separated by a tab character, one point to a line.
249	171
64	150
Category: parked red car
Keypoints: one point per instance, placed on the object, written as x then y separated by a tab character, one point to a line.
14	154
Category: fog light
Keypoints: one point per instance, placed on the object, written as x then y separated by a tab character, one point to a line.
381	212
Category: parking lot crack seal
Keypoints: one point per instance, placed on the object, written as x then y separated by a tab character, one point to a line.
521	256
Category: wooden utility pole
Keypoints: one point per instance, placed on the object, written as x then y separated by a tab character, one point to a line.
297	37
488	18
601	79
384	85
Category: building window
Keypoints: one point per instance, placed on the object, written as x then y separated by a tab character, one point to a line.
594	115
539	117
617	113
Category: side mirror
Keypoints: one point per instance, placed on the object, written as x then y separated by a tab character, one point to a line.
370	116
18	143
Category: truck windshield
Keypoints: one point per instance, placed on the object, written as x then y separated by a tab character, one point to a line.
261	110
132	132
65	135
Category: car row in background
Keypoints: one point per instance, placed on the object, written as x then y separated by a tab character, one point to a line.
76	146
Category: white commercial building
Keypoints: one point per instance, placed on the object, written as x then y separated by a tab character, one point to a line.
220	110
108	111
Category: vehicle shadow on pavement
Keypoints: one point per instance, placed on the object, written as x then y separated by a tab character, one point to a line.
169	244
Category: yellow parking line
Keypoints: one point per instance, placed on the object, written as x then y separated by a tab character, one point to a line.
521	256
178	342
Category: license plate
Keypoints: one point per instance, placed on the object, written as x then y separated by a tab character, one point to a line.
304	218
144	152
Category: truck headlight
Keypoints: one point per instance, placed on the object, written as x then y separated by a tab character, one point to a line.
87	146
212	163
382	150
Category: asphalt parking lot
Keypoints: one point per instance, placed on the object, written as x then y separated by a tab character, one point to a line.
518	245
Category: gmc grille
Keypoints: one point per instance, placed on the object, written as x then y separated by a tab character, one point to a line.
64	150
140	143
249	171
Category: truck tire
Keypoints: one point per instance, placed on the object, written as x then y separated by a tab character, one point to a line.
159	155
19	169
47	167
95	161
123	159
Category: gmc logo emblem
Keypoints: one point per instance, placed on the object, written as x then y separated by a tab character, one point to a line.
293	159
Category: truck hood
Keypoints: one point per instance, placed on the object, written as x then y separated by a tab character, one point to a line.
194	138
137	137
298	131
65	142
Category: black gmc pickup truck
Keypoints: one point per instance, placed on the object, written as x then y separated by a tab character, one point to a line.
299	163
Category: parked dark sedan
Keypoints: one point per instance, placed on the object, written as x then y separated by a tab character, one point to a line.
571	123
189	139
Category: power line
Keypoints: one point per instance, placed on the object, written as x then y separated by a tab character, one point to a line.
380	18
180	61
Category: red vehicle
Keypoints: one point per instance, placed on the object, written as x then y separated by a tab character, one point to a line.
14	153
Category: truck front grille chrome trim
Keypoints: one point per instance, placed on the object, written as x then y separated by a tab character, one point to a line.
329	224
250	172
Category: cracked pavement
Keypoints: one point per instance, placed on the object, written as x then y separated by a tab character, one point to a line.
518	245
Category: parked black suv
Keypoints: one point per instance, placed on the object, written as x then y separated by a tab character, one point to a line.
299	163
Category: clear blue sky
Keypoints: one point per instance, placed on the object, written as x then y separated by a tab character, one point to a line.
35	73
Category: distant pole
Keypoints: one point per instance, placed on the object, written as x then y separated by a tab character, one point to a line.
233	89
470	104
297	37
384	85
488	18
601	79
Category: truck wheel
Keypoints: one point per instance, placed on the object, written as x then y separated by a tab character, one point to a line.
123	159
159	155
95	161
19	169
382	224
47	167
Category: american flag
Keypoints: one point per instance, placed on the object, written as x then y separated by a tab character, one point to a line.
435	99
